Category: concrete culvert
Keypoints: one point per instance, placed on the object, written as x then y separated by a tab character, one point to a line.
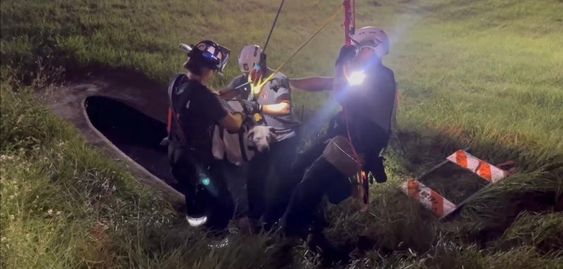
123	116
134	133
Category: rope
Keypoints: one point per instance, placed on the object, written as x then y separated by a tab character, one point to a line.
256	87
349	29
273	26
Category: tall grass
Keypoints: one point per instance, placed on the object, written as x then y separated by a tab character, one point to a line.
485	74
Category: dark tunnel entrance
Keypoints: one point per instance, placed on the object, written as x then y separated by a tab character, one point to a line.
133	132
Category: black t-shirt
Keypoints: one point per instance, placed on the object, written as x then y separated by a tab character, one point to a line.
368	110
374	100
197	110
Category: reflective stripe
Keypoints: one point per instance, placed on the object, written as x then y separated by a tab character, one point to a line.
169	120
482	168
430	199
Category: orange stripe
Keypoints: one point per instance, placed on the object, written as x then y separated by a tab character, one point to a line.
484	170
412	188
169	120
461	158
437	203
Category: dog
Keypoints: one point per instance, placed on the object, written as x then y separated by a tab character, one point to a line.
260	137
240	147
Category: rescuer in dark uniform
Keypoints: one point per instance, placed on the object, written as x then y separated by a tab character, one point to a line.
366	90
194	111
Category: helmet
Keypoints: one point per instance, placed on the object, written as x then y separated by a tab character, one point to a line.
250	58
374	37
209	54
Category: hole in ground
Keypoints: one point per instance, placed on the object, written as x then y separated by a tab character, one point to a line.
133	132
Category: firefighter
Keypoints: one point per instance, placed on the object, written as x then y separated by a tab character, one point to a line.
269	182
194	111
365	89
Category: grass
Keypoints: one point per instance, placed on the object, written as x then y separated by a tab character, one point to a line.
485	74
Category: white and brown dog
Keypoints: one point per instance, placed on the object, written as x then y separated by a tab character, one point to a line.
260	137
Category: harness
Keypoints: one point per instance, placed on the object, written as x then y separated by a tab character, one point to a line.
174	125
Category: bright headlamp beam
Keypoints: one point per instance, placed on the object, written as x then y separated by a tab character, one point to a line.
356	78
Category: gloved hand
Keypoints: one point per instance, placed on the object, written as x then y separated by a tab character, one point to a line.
346	53
377	169
251	107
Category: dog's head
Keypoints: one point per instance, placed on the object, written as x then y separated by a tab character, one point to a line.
261	137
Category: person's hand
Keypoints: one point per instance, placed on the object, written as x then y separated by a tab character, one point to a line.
346	54
251	107
377	169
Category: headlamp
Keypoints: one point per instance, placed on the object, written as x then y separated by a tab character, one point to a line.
356	78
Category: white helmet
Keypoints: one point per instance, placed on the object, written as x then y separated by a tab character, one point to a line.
373	37
249	58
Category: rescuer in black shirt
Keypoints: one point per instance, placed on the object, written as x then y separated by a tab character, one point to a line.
365	89
194	111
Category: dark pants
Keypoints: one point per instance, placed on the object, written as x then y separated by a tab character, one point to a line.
213	199
322	178
271	181
319	179
235	177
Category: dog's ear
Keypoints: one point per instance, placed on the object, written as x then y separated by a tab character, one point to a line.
250	134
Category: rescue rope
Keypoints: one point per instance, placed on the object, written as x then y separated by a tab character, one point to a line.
273	26
257	87
349	29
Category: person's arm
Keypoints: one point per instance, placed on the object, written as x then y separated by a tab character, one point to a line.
280	109
282	97
232	121
228	93
312	84
233	89
215	110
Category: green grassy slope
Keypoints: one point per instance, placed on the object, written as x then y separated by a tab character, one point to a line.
485	74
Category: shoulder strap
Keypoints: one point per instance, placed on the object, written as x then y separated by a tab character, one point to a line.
176	105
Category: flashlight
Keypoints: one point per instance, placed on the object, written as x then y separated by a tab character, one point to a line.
356	78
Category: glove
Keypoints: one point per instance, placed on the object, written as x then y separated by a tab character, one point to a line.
346	53
251	107
377	169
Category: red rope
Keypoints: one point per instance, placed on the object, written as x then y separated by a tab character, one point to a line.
347	21
349	28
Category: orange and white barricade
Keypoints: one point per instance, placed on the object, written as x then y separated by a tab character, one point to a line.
437	203
429	198
483	169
